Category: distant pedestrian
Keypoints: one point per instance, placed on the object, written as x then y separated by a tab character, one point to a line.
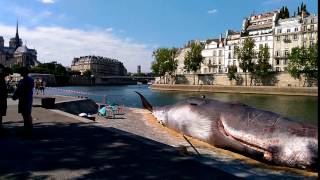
42	86
203	96
3	95
24	93
37	85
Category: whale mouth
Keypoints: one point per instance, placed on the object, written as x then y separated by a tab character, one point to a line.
267	154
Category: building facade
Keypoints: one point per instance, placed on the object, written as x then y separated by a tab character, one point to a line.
298	31
267	29
287	36
213	56
261	28
17	53
231	43
309	29
99	66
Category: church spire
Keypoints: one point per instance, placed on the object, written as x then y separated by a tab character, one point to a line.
17	30
17	38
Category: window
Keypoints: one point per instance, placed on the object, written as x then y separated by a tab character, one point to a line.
229	55
295	29
312	36
266	38
312	20
209	61
278	38
219	61
279	31
277	62
304	36
286	37
220	52
288	30
311	43
312	27
295	37
277	53
260	46
304	28
277	69
286	53
234	62
214	53
260	38
285	62
229	47
304	44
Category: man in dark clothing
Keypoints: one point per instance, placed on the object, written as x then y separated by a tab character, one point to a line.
24	92
3	95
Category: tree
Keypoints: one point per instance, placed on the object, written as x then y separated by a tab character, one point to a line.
284	12
193	59
232	72
303	62
165	61
263	69
87	73
303	7
245	54
15	68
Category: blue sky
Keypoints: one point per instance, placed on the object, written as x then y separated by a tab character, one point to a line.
135	26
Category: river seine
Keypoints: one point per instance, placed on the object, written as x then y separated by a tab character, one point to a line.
300	108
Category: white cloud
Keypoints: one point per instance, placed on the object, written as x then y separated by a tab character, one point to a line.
109	29
48	1
62	45
212	11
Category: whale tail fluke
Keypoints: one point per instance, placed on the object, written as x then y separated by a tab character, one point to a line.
145	103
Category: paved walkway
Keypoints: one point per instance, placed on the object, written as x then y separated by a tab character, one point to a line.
66	148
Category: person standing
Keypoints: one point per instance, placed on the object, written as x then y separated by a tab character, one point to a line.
24	93
3	95
42	86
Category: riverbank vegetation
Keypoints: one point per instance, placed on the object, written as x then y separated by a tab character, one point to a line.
304	62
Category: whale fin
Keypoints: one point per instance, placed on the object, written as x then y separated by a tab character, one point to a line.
145	103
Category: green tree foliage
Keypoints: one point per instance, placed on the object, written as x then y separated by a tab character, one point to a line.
87	73
304	62
193	59
303	7
232	72
50	68
15	68
245	54
284	12
263	69
165	61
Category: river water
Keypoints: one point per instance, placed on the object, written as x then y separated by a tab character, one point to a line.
300	108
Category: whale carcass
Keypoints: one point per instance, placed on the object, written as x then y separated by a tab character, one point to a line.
259	134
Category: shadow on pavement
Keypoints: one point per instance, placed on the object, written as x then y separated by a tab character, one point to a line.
82	151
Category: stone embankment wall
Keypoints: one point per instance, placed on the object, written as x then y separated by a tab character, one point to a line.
279	80
77	106
301	91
